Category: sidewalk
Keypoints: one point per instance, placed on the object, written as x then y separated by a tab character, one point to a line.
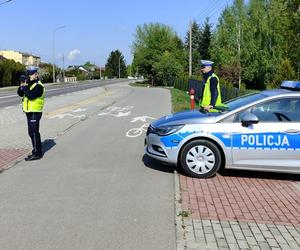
237	212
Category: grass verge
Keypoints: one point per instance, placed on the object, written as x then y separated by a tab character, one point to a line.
180	100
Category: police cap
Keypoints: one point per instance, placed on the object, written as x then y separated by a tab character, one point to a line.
206	63
31	70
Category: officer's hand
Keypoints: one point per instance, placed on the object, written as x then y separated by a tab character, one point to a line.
207	108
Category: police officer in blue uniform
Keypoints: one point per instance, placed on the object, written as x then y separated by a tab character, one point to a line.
32	91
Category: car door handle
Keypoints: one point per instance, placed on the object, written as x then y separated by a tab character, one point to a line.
292	131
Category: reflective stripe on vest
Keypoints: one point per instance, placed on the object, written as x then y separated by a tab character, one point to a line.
35	105
206	98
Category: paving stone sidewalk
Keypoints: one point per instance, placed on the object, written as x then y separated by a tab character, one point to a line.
231	212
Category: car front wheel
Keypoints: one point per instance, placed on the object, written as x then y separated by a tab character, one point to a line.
200	158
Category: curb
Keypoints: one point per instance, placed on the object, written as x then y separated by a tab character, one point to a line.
179	221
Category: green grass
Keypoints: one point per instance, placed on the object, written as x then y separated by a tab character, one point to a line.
180	100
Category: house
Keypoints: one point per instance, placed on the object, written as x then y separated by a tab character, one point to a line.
21	57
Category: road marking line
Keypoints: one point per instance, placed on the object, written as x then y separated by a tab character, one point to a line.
77	105
8	96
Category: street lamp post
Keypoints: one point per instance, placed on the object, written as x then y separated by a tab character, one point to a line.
63	59
53	46
119	67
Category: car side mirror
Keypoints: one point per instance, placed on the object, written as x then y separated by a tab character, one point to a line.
249	119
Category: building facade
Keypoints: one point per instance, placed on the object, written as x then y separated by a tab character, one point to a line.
21	57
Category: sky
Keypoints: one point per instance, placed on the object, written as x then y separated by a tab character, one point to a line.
89	30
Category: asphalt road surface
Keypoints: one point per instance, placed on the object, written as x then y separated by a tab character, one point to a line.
10	97
94	188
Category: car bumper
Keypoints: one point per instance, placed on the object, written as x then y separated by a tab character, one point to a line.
157	150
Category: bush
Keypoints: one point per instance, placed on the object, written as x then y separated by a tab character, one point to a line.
10	72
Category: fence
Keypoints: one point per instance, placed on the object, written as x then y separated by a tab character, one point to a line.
227	92
71	79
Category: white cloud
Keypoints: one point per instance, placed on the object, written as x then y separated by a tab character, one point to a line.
73	54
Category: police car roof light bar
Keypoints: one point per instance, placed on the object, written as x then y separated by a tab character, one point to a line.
293	85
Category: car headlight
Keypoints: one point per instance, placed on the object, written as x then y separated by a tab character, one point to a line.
167	130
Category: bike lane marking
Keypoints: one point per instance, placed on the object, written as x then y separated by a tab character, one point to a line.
76	106
125	111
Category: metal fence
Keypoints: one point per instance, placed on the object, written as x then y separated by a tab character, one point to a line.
227	92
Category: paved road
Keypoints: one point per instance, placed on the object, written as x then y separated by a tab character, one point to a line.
94	189
9	97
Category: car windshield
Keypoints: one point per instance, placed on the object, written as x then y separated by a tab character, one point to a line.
243	100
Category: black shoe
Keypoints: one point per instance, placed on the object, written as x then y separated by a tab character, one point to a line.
33	157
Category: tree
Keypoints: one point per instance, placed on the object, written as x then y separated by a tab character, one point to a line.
255	39
196	55
284	72
228	41
45	72
204	40
292	33
10	72
151	42
112	66
168	68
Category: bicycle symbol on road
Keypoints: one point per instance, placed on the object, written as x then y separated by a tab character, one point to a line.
135	132
117	111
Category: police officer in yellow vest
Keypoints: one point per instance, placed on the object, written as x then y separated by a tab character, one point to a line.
32	91
211	95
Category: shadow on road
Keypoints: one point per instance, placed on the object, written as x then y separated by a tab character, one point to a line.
259	175
48	144
159	166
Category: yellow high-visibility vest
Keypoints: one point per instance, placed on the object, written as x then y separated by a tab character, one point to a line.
35	105
206	98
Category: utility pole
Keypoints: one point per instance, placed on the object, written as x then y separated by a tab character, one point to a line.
63	59
100	71
190	53
119	66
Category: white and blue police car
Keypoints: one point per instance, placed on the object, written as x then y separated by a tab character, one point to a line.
260	131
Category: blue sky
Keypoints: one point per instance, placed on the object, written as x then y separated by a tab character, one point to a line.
93	28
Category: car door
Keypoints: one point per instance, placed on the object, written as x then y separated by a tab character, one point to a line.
274	142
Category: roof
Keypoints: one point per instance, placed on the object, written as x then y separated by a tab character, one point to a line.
273	92
23	53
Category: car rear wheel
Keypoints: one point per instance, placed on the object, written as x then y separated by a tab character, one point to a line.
200	158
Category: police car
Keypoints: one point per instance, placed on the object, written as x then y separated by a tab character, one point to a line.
260	131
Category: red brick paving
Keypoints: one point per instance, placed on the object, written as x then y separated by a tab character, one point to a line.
9	156
241	199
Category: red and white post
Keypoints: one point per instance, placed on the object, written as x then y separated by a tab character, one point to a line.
192	98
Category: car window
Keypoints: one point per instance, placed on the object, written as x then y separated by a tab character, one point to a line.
243	100
279	110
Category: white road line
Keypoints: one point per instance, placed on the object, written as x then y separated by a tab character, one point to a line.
8	96
47	90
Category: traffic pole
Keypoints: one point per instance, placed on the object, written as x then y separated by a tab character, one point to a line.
192	98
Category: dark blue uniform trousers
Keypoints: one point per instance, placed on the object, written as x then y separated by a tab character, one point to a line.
33	121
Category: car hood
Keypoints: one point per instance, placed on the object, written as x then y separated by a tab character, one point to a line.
186	117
